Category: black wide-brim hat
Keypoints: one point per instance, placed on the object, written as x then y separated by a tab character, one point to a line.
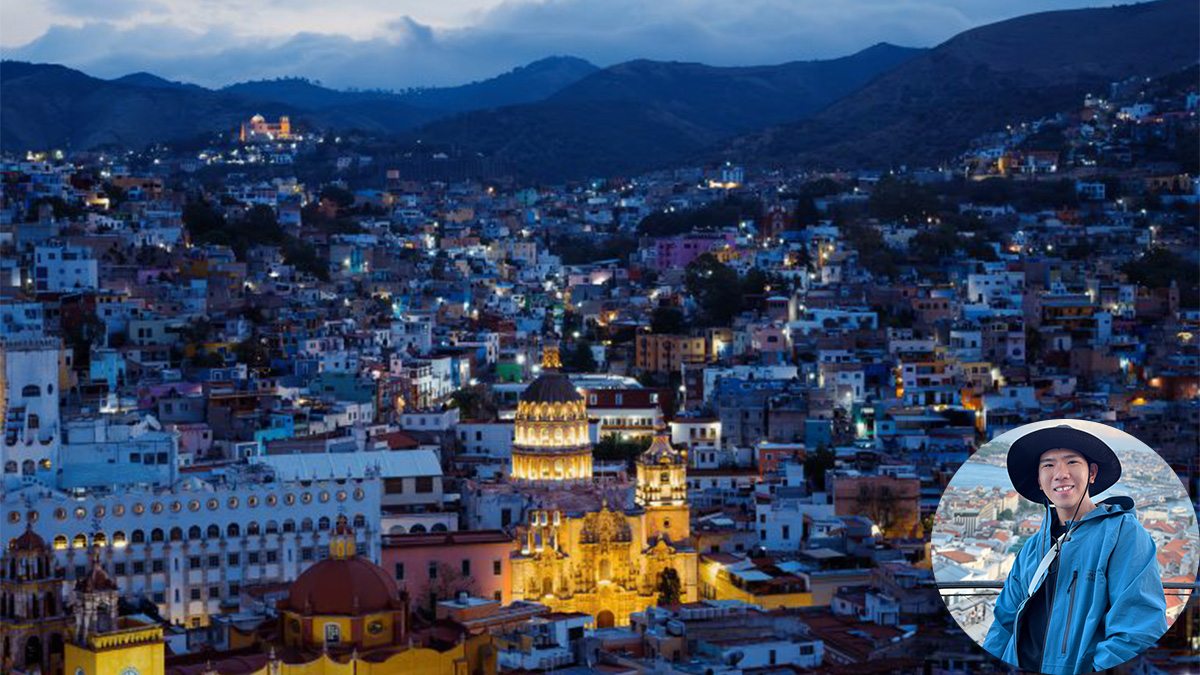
1025	452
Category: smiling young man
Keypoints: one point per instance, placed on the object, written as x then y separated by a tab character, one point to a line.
1085	592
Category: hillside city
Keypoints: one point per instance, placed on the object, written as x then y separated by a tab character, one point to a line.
281	402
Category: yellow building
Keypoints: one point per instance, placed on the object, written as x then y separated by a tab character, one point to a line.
103	643
587	546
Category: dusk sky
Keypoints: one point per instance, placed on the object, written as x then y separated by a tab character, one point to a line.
364	43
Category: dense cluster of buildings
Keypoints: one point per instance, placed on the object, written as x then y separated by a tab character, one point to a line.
422	426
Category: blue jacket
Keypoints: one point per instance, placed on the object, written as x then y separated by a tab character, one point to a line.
1108	599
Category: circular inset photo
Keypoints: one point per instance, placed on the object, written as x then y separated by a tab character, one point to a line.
1065	546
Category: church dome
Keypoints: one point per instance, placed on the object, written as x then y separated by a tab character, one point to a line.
551	387
345	584
551	438
347	587
28	542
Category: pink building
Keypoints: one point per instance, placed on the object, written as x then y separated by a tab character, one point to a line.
195	439
436	566
679	252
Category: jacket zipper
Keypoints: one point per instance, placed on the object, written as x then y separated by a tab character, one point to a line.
1070	610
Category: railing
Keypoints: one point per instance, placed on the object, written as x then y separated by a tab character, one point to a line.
970	588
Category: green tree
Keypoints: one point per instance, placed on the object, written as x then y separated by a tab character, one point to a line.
611	448
816	464
580	358
667	320
338	195
716	288
475	403
670	589
896	199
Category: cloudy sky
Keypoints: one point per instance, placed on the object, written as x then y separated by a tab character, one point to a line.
401	43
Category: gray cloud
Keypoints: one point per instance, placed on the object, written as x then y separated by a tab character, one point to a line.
106	9
411	53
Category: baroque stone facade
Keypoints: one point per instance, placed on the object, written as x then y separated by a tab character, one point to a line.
588	546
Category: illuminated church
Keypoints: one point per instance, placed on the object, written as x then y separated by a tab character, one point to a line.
586	545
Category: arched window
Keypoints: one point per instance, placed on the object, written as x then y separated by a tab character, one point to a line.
137	537
252	528
98	539
31	391
60	542
438	527
10	467
289	525
272	527
80	541
306	525
156	534
233	530
176	534
33	421
194	532
118	538
417	529
214	532
27	467
323	523
360	521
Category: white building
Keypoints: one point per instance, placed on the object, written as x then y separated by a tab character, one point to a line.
103	452
412	498
29	402
194	548
65	268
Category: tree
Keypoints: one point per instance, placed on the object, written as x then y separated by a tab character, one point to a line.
475	403
338	195
667	320
448	583
716	288
816	464
670	590
580	358
895	199
612	448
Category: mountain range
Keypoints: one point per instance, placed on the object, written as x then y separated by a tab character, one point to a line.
562	117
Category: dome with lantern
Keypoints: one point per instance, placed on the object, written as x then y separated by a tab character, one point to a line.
344	601
551	442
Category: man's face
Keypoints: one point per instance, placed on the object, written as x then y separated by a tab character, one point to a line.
1064	476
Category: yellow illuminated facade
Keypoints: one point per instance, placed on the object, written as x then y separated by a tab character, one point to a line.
551	443
587	547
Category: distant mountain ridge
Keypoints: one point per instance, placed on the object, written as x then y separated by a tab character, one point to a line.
47	105
927	110
562	117
641	114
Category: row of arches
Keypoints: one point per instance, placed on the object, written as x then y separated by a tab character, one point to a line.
418	529
196	533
